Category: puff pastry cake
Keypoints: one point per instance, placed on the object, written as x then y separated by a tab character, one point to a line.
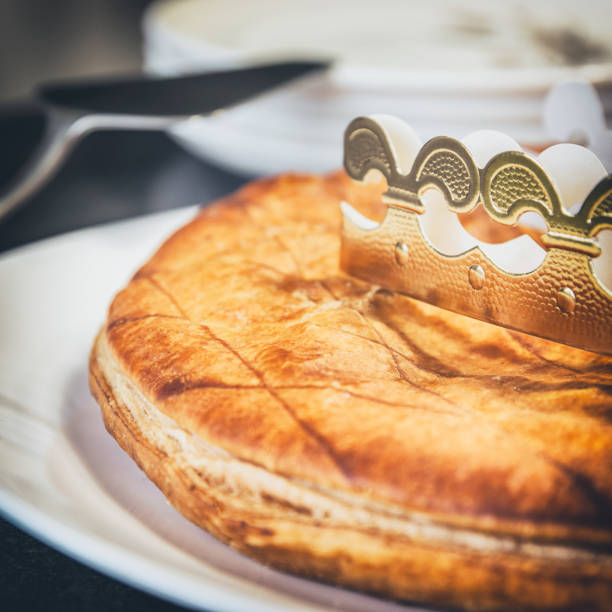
338	431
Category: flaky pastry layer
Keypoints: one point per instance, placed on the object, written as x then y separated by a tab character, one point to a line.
295	526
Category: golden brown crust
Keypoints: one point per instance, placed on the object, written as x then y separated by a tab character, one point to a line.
280	528
242	330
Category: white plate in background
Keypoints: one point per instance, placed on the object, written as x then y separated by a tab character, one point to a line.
446	67
66	481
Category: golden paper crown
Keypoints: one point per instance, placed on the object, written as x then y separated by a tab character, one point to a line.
561	299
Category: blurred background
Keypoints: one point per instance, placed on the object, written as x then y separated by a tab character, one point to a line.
42	40
111	175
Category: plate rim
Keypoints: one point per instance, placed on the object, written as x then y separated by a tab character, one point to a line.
165	580
350	75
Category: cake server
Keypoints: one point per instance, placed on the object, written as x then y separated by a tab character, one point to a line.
71	110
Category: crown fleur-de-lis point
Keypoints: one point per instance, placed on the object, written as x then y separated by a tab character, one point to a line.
561	299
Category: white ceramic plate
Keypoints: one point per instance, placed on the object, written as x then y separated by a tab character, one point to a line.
446	67
65	480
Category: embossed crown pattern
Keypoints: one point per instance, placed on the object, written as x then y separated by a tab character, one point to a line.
561	300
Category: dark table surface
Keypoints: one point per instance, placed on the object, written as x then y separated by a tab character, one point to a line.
112	175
